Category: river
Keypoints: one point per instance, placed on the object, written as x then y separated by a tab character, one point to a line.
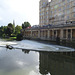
40	59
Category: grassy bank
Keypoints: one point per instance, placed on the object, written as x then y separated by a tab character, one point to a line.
10	38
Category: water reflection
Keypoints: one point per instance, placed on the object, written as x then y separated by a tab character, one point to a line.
25	51
18	62
28	62
57	63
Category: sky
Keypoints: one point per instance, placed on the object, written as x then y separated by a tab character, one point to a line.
19	11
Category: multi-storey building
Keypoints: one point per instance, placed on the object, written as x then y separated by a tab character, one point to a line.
56	12
56	19
62	11
44	9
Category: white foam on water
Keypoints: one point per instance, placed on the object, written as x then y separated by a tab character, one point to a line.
4	43
28	44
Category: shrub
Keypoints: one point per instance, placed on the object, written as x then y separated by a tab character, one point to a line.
19	37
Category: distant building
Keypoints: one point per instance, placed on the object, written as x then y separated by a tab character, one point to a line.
13	22
14	25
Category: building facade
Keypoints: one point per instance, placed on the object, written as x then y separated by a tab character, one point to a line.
62	11
56	19
44	9
56	12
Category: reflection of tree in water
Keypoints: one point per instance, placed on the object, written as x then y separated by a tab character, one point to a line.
57	63
25	51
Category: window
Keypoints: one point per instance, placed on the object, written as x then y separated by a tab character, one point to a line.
40	10
56	6
51	7
73	9
74	15
71	0
47	8
63	16
73	4
68	11
60	9
64	8
55	11
43	9
60	13
46	12
50	16
60	1
68	0
51	12
64	3
43	3
59	5
47	17
67	17
63	0
47	21
68	6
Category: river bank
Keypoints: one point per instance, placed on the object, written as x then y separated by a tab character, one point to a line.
9	38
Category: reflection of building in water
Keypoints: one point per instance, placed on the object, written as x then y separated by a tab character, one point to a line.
43	63
25	51
57	63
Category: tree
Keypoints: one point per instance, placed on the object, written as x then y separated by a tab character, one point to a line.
19	37
5	29
1	31
25	25
10	25
10	29
17	29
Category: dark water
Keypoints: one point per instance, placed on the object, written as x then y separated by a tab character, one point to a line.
49	60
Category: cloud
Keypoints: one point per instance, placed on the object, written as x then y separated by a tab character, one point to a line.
1	18
20	11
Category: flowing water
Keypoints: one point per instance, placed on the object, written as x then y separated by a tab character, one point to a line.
44	60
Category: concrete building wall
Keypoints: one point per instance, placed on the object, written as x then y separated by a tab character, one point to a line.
62	11
56	12
44	9
66	33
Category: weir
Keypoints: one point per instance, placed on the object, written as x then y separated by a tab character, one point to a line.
38	50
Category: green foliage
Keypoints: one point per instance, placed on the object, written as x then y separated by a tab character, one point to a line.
19	37
3	31
17	29
11	32
10	29
10	38
25	25
13	38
